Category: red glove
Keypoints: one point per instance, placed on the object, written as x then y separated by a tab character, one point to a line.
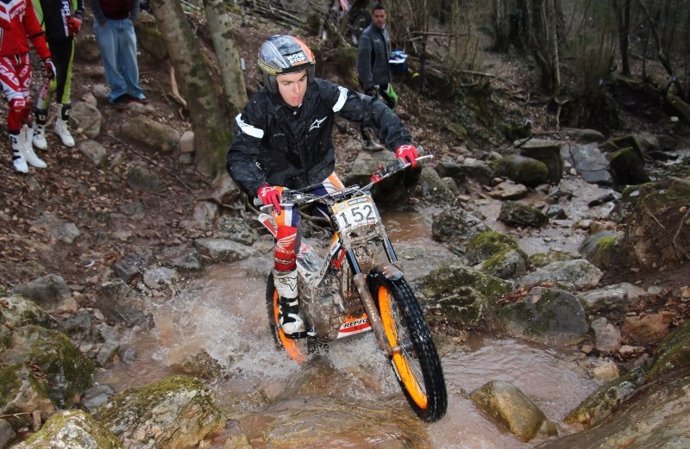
407	153
270	195
50	67
73	25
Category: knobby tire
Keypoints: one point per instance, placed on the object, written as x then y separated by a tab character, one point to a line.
417	366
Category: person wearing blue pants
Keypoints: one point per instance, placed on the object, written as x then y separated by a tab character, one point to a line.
114	30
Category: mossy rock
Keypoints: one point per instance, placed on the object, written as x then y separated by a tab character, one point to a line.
486	244
175	412
73	429
57	365
673	353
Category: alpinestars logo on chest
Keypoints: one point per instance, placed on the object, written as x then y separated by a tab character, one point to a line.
317	123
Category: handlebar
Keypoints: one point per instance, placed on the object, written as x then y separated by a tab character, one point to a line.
301	197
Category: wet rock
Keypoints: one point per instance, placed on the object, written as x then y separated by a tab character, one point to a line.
433	188
47	291
96	397
119	303
17	311
606	335
460	295
486	244
611	300
59	368
508	190
175	412
510	407
602	402
602	247
73	429
548	152
538	260
450	169
477	170
584	135
606	371
506	264
546	315
627	167
517	214
22	395
521	169
557	212
156	278
590	162
456	227
578	273
663	407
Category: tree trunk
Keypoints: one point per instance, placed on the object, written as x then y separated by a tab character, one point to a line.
211	131
623	18
220	28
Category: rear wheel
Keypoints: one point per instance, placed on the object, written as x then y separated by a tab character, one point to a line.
297	349
416	362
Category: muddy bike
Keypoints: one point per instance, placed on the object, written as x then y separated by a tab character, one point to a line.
358	286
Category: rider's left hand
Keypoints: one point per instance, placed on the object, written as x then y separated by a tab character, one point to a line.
407	153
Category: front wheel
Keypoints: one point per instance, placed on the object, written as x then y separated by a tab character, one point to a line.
415	362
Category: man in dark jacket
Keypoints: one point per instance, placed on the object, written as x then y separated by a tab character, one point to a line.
282	138
372	64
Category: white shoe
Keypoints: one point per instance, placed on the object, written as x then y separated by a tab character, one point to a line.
62	131
18	159
39	138
26	136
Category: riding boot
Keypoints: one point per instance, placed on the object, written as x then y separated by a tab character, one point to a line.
26	136
39	137
18	159
61	127
291	322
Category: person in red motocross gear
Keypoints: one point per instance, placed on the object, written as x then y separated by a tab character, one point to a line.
282	138
18	24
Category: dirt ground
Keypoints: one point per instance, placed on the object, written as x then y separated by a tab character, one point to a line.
115	221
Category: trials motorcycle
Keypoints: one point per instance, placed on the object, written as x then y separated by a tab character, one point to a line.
358	286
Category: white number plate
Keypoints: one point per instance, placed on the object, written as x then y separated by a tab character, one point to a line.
355	212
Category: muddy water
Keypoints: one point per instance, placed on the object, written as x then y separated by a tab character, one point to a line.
224	314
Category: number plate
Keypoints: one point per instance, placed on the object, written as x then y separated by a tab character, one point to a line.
355	212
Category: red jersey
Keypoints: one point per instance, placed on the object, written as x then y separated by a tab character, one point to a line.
17	22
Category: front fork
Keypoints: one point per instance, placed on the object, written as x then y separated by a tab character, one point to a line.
390	271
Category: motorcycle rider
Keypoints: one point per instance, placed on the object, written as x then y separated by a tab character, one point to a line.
282	139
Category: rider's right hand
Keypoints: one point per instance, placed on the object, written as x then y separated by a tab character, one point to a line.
270	195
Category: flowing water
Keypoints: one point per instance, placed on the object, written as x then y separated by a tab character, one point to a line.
223	313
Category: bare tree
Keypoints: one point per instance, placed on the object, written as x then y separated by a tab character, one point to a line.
622	9
211	131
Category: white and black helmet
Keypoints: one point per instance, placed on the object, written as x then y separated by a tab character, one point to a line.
284	54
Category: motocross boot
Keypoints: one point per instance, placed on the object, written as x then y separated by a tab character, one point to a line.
291	322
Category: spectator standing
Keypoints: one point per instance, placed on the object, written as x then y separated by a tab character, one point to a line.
114	30
61	21
18	24
374	72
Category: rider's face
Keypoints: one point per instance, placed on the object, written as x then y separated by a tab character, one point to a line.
292	87
378	16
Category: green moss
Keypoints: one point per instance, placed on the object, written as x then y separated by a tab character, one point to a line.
52	433
674	352
9	383
607	242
